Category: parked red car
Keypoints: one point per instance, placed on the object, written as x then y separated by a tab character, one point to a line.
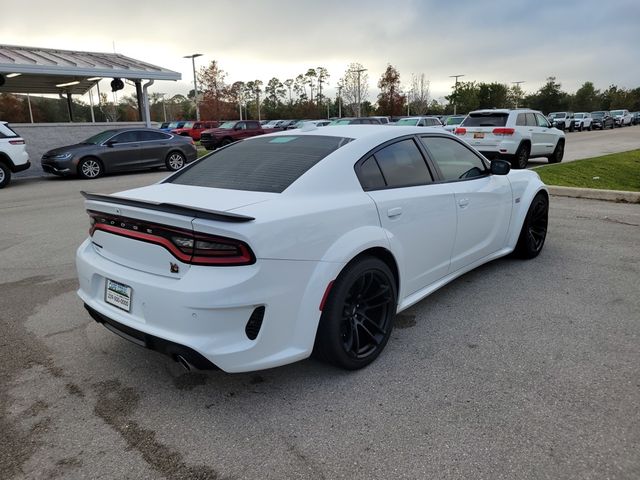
230	132
194	129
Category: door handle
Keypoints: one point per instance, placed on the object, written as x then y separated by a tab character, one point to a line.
463	202
394	212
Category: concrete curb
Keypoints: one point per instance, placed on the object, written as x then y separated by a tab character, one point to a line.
594	194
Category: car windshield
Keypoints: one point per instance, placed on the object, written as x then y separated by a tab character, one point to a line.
173	125
454	120
407	121
341	122
579	115
617	112
597	114
227	125
558	115
262	164
485	119
188	125
100	137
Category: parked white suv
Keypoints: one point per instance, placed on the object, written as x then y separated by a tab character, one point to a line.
582	121
13	154
514	135
622	118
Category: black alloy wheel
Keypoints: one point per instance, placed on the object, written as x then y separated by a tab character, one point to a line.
534	228
558	153
357	317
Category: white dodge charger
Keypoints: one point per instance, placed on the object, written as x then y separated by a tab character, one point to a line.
302	241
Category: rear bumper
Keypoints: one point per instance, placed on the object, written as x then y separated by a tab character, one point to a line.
210	309
21	167
171	349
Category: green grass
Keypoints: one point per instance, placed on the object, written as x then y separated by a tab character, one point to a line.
618	171
202	151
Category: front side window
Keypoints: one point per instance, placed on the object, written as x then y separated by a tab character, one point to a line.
456	162
126	137
403	165
542	122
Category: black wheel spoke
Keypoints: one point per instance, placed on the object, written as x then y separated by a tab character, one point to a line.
375	326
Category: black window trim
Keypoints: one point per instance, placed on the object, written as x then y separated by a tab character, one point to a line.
373	151
441	179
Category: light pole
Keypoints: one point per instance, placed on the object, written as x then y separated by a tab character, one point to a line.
455	105
339	101
195	84
518	85
164	107
359	71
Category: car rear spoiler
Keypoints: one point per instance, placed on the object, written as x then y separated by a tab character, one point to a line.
170	208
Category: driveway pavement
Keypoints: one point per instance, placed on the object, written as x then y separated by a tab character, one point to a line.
520	369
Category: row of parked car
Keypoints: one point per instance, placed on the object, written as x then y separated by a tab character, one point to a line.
600	119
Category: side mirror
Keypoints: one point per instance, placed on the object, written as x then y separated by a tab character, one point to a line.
500	167
110	143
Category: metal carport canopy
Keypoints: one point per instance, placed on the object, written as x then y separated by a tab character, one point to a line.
42	69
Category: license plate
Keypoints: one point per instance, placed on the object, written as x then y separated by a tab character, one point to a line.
478	135
118	295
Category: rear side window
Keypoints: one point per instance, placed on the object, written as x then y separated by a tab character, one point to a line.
486	119
403	165
262	164
6	131
146	136
455	161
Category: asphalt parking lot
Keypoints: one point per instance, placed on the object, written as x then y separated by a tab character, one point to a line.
520	369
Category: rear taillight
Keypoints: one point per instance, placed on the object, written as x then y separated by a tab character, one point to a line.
504	131
186	245
16	142
460	131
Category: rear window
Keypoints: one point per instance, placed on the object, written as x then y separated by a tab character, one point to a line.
490	119
264	164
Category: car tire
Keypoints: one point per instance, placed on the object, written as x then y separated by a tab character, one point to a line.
225	142
175	161
357	316
534	228
589	128
521	158
5	175
558	153
90	168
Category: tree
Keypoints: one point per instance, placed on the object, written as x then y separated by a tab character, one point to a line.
274	92
253	89
464	97
549	97
323	78
355	87
515	96
586	98
418	95
492	95
310	79
391	101
213	90
289	84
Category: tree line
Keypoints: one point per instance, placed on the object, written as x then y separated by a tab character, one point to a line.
304	96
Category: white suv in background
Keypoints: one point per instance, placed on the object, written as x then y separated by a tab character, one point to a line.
514	135
622	118
582	121
13	154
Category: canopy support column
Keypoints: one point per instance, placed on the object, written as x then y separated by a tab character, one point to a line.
70	106
140	100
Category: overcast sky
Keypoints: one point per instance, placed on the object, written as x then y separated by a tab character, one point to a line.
498	40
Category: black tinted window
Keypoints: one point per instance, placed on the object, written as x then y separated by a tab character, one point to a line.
402	164
490	119
531	120
521	120
263	164
252	125
370	175
126	137
454	159
150	136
